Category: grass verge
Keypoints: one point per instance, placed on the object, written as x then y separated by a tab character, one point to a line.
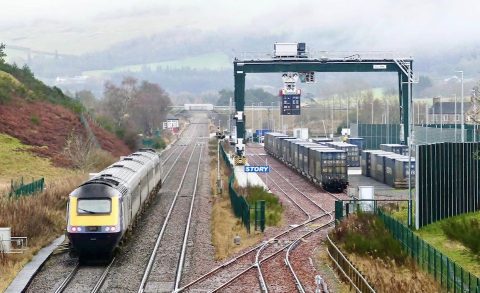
379	257
39	217
17	161
224	225
455	246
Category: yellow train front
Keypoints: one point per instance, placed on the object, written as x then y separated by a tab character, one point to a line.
94	225
103	208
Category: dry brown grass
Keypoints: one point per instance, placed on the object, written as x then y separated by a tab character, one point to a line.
389	277
224	225
39	217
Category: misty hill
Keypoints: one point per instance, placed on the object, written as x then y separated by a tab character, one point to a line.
195	61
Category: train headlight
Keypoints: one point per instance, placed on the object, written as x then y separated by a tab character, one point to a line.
107	229
73	229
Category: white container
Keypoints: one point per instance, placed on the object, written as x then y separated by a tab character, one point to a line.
5	239
366	192
285	50
301	133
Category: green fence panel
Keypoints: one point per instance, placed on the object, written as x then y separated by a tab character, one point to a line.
448	175
451	276
376	134
18	189
240	206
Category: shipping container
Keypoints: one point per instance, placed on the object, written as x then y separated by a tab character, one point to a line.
286	149
358	141
365	161
353	159
298	155
331	169
396	172
322	140
310	170
395	148
378	165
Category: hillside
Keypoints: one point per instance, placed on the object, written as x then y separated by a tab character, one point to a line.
44	118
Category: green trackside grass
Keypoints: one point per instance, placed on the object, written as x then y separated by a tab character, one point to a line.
17	161
273	206
458	238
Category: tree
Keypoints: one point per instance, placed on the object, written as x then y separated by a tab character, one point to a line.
2	53
88	100
150	107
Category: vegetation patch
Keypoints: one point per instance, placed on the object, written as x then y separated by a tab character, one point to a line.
380	258
12	151
273	206
458	238
40	217
224	225
365	234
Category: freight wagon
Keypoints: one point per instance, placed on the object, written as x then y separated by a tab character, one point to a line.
353	159
322	165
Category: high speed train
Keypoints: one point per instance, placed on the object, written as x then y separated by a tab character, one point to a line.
102	209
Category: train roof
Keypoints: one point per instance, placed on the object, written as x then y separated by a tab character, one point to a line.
121	174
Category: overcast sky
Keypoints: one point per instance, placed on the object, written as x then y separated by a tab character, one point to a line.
89	25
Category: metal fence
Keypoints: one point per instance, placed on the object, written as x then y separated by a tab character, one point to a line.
376	134
447	181
347	269
18	189
451	276
433	133
240	206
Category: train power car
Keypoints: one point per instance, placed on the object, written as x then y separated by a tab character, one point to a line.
102	209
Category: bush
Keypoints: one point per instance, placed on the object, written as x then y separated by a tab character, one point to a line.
35	120
159	143
465	230
273	206
365	234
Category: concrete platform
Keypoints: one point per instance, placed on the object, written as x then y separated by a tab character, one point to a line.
247	179
21	281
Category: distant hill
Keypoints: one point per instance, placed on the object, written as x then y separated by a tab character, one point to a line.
44	117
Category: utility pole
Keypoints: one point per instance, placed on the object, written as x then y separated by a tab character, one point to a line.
372	112
253	118
357	111
462	108
348	116
455	119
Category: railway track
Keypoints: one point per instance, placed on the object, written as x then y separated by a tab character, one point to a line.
81	275
239	273
166	263
278	273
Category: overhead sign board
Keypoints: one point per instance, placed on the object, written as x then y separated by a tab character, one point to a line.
256	169
379	66
290	104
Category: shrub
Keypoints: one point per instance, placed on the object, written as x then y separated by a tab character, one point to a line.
159	143
365	234
465	230
273	206
34	120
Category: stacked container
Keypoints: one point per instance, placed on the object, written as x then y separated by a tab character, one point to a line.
366	161
353	159
322	140
395	148
396	172
358	141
